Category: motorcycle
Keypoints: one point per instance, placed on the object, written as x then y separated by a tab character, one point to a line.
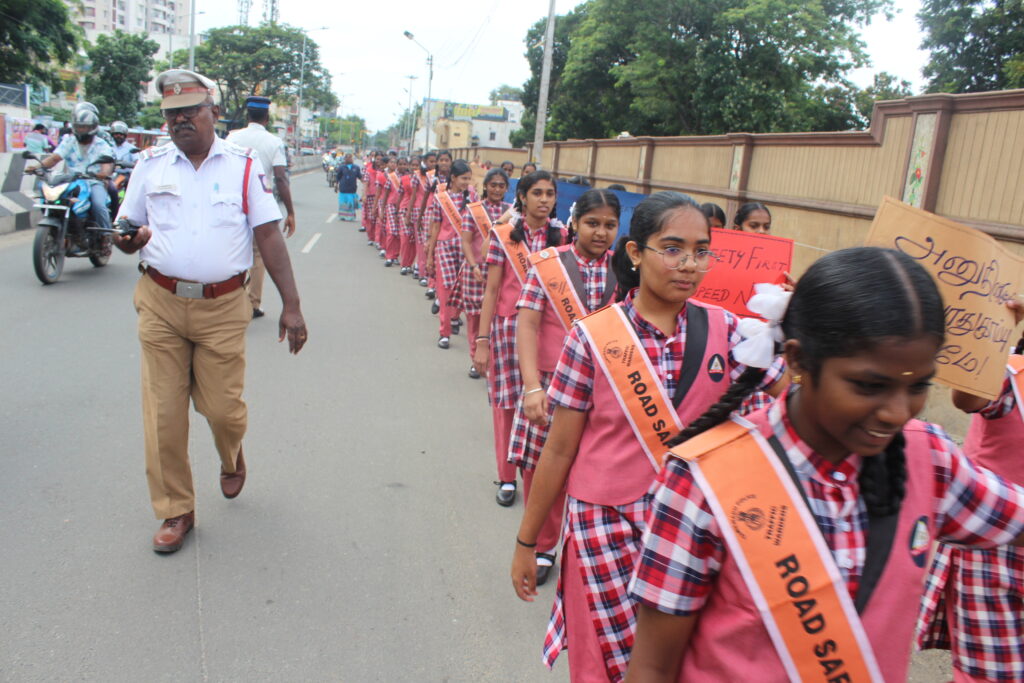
66	229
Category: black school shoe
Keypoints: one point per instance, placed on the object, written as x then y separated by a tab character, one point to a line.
443	343
544	570
473	374
506	496
430	293
435	307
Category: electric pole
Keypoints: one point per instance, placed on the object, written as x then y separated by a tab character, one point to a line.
545	82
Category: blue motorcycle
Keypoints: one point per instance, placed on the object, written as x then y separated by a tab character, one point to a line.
66	230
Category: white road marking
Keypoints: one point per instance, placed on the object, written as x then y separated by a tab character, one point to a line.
311	243
331	218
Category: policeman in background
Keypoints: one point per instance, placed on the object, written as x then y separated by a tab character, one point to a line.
201	202
271	152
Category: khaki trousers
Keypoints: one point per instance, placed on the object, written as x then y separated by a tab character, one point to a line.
256	275
191	348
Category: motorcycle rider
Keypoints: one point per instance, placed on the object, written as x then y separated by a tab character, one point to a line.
125	158
80	151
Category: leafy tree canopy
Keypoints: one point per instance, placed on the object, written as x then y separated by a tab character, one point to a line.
506	92
36	37
118	64
975	45
695	67
265	60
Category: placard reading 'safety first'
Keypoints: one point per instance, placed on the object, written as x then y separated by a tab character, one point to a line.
976	276
744	260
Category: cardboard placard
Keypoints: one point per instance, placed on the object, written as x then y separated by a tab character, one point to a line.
745	259
976	276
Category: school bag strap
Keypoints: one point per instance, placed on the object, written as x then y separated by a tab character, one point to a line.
693	355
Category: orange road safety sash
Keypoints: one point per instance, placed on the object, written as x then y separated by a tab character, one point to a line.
560	291
396	182
1016	368
641	395
480	217
781	554
450	210
516	253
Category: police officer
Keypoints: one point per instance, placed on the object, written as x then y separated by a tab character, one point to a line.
201	202
271	152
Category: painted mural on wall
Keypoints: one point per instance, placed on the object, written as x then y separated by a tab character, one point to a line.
920	151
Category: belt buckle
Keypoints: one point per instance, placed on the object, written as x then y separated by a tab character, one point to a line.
189	290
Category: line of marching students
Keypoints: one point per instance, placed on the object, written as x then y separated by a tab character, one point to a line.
728	506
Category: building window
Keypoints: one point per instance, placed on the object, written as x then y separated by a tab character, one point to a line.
494	136
89	11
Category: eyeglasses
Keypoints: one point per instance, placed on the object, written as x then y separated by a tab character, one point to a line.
674	258
187	112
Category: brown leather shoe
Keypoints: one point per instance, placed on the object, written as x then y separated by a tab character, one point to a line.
231	483
172	532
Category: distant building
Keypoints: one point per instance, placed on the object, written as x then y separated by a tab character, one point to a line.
469	125
166	21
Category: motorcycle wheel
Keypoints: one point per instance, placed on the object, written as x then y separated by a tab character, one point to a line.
101	254
47	255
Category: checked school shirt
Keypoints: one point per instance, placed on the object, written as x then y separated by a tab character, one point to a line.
683	548
595	275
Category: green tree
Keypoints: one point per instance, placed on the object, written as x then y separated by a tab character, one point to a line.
685	67
506	92
885	87
118	64
974	44
36	37
265	60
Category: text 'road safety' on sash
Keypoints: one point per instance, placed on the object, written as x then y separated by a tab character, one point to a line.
480	217
640	393
516	253
560	292
781	554
450	210
1016	368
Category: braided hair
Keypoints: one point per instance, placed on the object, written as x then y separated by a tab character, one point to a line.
648	219
832	314
554	236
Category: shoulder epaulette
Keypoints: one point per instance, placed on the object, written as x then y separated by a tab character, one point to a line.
239	150
153	152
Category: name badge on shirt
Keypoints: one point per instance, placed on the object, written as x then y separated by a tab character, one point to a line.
166	188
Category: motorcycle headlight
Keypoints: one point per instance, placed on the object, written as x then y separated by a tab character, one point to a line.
52	193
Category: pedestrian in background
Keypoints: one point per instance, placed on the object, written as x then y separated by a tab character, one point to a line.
271	152
201	202
347	176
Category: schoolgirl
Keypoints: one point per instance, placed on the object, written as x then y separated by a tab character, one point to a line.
442	174
626	375
508	252
389	165
370	197
397	167
973	601
753	217
563	284
422	180
444	246
793	545
528	168
715	214
407	235
476	223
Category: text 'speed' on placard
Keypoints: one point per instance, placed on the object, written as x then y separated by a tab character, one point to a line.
744	260
977	277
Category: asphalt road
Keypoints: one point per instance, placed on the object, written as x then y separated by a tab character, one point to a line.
366	545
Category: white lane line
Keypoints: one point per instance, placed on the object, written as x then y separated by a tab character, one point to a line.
331	218
311	243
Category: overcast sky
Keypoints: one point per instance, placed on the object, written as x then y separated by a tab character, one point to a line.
476	46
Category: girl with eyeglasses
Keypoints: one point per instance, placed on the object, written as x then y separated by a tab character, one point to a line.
594	451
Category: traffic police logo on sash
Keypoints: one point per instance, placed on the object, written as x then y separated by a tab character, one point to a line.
920	541
716	367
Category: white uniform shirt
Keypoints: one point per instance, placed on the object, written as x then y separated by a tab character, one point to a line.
268	147
199	230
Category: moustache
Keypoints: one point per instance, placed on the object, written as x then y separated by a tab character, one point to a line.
183	126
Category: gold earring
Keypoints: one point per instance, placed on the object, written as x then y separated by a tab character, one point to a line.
797	378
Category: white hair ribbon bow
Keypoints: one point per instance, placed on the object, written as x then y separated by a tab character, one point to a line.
759	338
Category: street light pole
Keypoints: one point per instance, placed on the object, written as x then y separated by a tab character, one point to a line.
545	82
430	82
192	36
